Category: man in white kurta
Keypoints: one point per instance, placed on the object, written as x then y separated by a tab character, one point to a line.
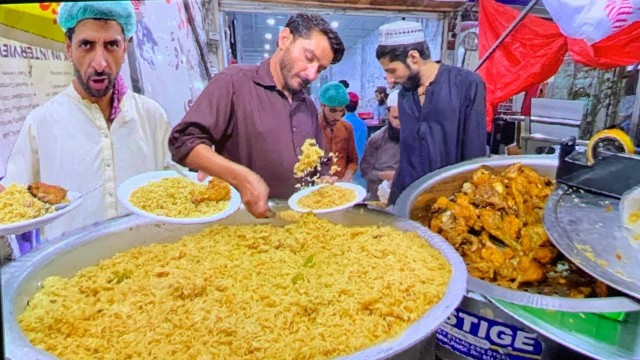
95	134
66	142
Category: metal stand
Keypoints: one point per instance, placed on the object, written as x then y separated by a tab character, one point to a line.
523	128
635	116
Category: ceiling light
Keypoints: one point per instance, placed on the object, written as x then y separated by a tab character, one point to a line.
268	36
334	24
271	21
265	55
267	46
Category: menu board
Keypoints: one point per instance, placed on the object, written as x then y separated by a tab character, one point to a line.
30	77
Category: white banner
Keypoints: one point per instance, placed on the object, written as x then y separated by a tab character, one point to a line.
592	20
30	76
167	56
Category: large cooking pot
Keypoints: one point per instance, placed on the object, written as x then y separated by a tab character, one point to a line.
417	198
88	246
499	307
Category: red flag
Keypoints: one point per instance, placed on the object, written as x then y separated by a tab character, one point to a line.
535	49
531	54
619	49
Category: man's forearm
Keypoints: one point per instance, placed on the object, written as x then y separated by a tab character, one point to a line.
203	158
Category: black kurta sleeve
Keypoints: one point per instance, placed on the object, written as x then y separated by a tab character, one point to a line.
475	133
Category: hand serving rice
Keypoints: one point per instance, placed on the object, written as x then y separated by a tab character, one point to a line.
310	162
178	197
309	290
21	203
327	197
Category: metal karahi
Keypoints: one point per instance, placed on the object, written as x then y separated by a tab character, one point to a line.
447	181
88	246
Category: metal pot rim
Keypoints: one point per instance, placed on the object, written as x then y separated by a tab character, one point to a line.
20	272
411	194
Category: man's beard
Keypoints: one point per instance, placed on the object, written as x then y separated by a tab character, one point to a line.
393	133
286	68
413	81
91	91
382	101
325	118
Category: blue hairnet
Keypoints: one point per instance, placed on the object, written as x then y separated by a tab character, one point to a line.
334	94
71	13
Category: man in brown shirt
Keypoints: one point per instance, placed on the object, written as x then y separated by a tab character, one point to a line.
338	133
257	118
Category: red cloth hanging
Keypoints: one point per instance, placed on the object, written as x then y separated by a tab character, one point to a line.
535	49
618	49
531	54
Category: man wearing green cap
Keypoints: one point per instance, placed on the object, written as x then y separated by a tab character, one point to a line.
338	133
95	134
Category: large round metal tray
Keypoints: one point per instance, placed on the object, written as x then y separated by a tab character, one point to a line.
446	181
588	229
88	246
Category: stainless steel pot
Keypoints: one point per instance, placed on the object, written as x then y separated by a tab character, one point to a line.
88	246
482	303
445	182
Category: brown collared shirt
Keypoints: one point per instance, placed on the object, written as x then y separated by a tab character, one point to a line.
251	122
340	140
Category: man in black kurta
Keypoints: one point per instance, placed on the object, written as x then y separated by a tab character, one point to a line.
441	107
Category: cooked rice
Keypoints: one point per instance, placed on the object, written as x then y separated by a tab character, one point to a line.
17	204
312	289
326	197
172	197
309	160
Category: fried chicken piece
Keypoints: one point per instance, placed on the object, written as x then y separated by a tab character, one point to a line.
545	254
512	171
452	228
529	271
50	194
481	176
217	190
481	270
489	194
462	208
493	222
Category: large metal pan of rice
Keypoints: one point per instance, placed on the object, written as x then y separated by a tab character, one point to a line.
355	284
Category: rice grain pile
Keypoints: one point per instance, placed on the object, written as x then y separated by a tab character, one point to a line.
326	197
310	161
172	197
17	204
308	290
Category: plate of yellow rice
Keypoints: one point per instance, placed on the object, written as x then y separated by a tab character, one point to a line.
326	198
20	211
167	196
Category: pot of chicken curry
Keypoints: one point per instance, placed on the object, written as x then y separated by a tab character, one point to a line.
491	211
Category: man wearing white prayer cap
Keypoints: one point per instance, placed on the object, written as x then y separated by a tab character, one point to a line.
96	133
442	107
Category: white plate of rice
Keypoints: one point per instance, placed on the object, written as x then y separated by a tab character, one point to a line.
167	196
326	198
27	225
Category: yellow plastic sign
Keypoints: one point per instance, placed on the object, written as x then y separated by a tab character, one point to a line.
36	18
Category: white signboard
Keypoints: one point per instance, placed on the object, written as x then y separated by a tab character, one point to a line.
30	76
167	57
